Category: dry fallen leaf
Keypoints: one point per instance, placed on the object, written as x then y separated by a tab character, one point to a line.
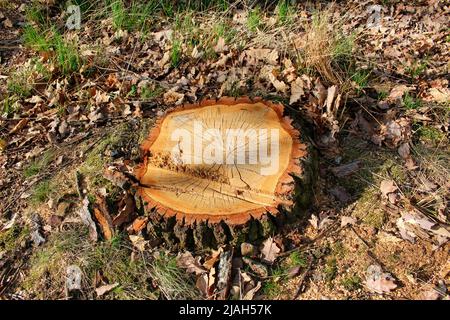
138	242
202	284
102	290
415	217
397	92
387	186
280	86
320	222
214	257
346	220
269	251
186	261
440	95
296	90
257	267
10	223
340	193
405	233
220	46
251	293
7	23
3	144
403	150
173	97
379	281
255	55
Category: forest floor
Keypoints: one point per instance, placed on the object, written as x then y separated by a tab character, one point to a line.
369	77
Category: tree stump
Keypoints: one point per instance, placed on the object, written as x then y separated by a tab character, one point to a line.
224	171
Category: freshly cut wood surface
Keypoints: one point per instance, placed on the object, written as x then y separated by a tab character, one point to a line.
220	190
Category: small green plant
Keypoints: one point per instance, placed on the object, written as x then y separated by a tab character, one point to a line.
351	283
5	4
186	26
410	102
175	53
234	89
11	239
168	8
41	69
118	14
19	87
327	50
225	31
41	192
284	12
254	19
342	49
35	39
184	22
117	241
417	68
297	259
35	13
9	106
272	287
219	5
148	93
382	95
132	16
361	79
338	249
132	92
38	165
330	269
112	258
67	55
430	135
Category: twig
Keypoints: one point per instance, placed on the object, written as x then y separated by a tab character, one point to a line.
301	286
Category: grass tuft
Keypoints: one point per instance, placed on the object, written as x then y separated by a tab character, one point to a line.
173	282
361	80
254	19
351	283
327	50
175	53
12	238
417	69
38	165
410	102
132	16
67	56
284	12
65	51
113	260
41	192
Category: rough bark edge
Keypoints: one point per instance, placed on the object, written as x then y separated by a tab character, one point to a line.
285	185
